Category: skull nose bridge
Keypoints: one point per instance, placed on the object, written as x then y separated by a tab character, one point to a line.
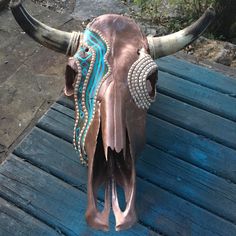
113	117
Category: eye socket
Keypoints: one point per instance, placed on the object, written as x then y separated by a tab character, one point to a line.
86	49
151	84
70	76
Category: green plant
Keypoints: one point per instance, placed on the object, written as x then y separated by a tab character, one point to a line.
149	8
188	10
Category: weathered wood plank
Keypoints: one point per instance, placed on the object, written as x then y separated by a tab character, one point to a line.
66	102
198	74
59	159
186	116
66	110
197	95
191	147
41	149
15	222
43	196
59	125
183	179
191	93
50	199
191	183
209	187
196	120
177	197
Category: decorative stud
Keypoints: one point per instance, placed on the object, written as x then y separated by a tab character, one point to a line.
137	76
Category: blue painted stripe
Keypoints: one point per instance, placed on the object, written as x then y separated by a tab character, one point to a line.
99	70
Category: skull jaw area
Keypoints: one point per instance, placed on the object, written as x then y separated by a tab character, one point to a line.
118	169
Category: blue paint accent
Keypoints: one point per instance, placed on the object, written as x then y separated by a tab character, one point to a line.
198	155
99	70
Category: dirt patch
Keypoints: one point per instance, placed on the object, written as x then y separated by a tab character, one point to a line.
60	6
85	11
3	4
213	50
32	77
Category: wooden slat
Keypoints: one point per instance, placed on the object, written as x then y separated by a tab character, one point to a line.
197	186
191	147
198	74
49	199
193	94
15	222
188	117
194	119
160	208
43	196
197	95
40	148
58	124
201	199
176	193
59	159
213	186
66	102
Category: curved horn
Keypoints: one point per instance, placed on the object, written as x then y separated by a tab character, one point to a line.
57	40
169	44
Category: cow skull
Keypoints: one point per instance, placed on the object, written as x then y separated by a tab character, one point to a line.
112	74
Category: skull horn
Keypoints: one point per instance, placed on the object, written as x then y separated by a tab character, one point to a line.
60	41
169	44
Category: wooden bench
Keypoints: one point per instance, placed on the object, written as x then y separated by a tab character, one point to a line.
186	177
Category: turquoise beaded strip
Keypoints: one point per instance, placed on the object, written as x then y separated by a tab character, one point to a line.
93	69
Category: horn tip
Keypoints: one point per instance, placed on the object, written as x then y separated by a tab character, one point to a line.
14	3
211	11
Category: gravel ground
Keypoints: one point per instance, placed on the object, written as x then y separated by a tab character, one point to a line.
3	3
60	6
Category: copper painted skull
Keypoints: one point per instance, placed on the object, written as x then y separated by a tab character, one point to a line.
112	75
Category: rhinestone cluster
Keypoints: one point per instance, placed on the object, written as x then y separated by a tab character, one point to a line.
137	76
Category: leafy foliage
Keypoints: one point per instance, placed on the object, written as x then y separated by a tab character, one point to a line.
194	8
176	14
187	11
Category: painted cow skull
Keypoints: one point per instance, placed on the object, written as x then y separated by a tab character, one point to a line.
112	74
